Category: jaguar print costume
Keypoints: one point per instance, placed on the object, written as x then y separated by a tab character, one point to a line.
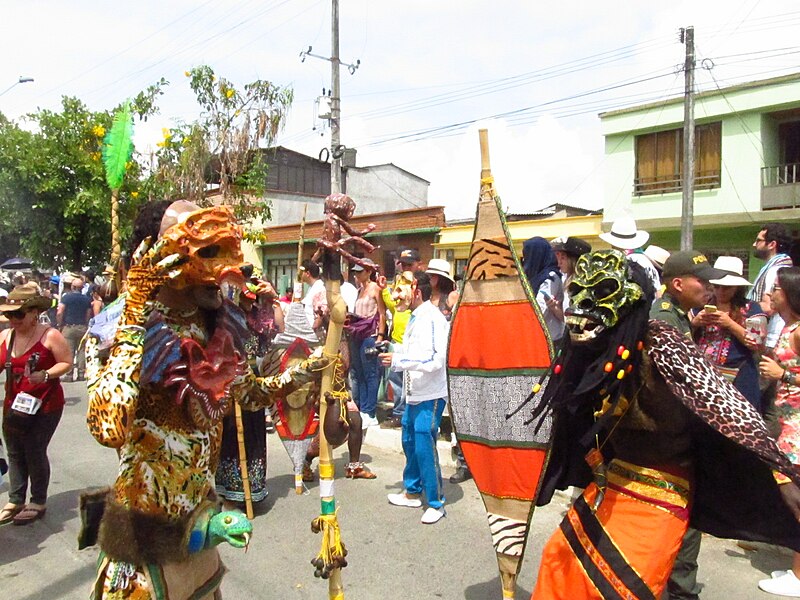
159	399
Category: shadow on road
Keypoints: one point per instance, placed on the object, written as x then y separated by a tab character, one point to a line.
18	542
491	589
76	584
765	558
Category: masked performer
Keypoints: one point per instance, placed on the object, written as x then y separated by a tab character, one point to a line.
659	439
175	367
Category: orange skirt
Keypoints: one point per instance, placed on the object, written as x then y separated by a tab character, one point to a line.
624	550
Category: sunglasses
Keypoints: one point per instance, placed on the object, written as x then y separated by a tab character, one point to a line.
14	314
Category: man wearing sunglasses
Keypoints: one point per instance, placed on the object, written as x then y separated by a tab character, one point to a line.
771	245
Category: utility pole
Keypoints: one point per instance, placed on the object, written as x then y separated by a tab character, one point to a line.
336	109
687	212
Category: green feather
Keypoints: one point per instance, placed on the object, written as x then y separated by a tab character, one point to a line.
118	147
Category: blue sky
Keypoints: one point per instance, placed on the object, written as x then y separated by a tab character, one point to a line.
425	68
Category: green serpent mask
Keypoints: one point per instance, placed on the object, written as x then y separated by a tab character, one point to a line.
601	294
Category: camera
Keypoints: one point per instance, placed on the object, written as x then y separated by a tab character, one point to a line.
379	347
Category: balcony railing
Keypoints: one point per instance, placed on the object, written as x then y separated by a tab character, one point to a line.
780	186
780	175
704	180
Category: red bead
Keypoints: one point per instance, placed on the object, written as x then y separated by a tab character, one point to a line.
640	345
608	366
557	369
620	350
629	369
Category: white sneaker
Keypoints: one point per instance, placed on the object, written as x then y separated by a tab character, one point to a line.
403	500
367	421
787	585
432	515
776	574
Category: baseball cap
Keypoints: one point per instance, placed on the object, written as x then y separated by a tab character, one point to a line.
690	262
408	256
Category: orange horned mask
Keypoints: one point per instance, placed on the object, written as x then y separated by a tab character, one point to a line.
211	241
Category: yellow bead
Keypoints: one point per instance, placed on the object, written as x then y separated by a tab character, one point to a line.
536	388
620	374
626	354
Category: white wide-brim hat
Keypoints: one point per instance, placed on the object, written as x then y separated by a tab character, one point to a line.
734	268
625	235
656	254
439	266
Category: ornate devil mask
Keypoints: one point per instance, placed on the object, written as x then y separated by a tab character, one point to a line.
210	239
601	294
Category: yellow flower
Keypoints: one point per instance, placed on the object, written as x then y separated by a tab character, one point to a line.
134	194
95	155
99	130
229	92
167	138
187	73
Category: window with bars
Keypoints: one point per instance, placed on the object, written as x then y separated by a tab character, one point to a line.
659	160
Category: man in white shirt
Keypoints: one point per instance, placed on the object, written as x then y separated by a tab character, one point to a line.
422	358
315	298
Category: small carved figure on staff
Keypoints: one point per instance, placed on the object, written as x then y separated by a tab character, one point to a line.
339	209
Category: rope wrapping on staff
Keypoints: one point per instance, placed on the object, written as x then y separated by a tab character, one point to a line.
332	551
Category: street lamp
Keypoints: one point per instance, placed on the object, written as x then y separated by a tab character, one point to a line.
17	82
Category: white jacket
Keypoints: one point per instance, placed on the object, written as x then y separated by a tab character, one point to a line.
423	355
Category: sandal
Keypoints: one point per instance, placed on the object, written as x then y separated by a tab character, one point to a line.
28	515
8	512
359	471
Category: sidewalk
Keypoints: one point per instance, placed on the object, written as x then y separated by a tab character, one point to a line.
389	439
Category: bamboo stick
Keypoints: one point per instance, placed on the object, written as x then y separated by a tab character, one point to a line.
296	297
248	498
338	312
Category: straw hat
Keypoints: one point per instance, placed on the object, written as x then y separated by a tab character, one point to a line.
625	235
25	296
657	255
440	267
734	270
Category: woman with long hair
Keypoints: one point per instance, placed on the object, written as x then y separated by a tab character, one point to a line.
36	356
784	368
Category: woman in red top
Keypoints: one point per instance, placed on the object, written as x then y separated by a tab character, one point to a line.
39	356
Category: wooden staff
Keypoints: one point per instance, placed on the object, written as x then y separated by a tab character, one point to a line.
338	312
248	497
296	297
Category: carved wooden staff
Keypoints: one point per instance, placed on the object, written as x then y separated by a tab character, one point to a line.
333	551
248	496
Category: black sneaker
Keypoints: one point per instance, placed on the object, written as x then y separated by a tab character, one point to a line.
461	475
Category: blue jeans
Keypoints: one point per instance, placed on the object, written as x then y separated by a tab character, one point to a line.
395	380
420	429
365	376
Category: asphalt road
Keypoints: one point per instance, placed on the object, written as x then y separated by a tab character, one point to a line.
391	554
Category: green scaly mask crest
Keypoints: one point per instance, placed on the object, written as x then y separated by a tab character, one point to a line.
601	294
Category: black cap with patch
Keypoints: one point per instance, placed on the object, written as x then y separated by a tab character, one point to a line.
408	256
690	262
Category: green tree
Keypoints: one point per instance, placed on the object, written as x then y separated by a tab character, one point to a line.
54	201
221	148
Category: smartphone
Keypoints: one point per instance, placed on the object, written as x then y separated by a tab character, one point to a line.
547	297
710	308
